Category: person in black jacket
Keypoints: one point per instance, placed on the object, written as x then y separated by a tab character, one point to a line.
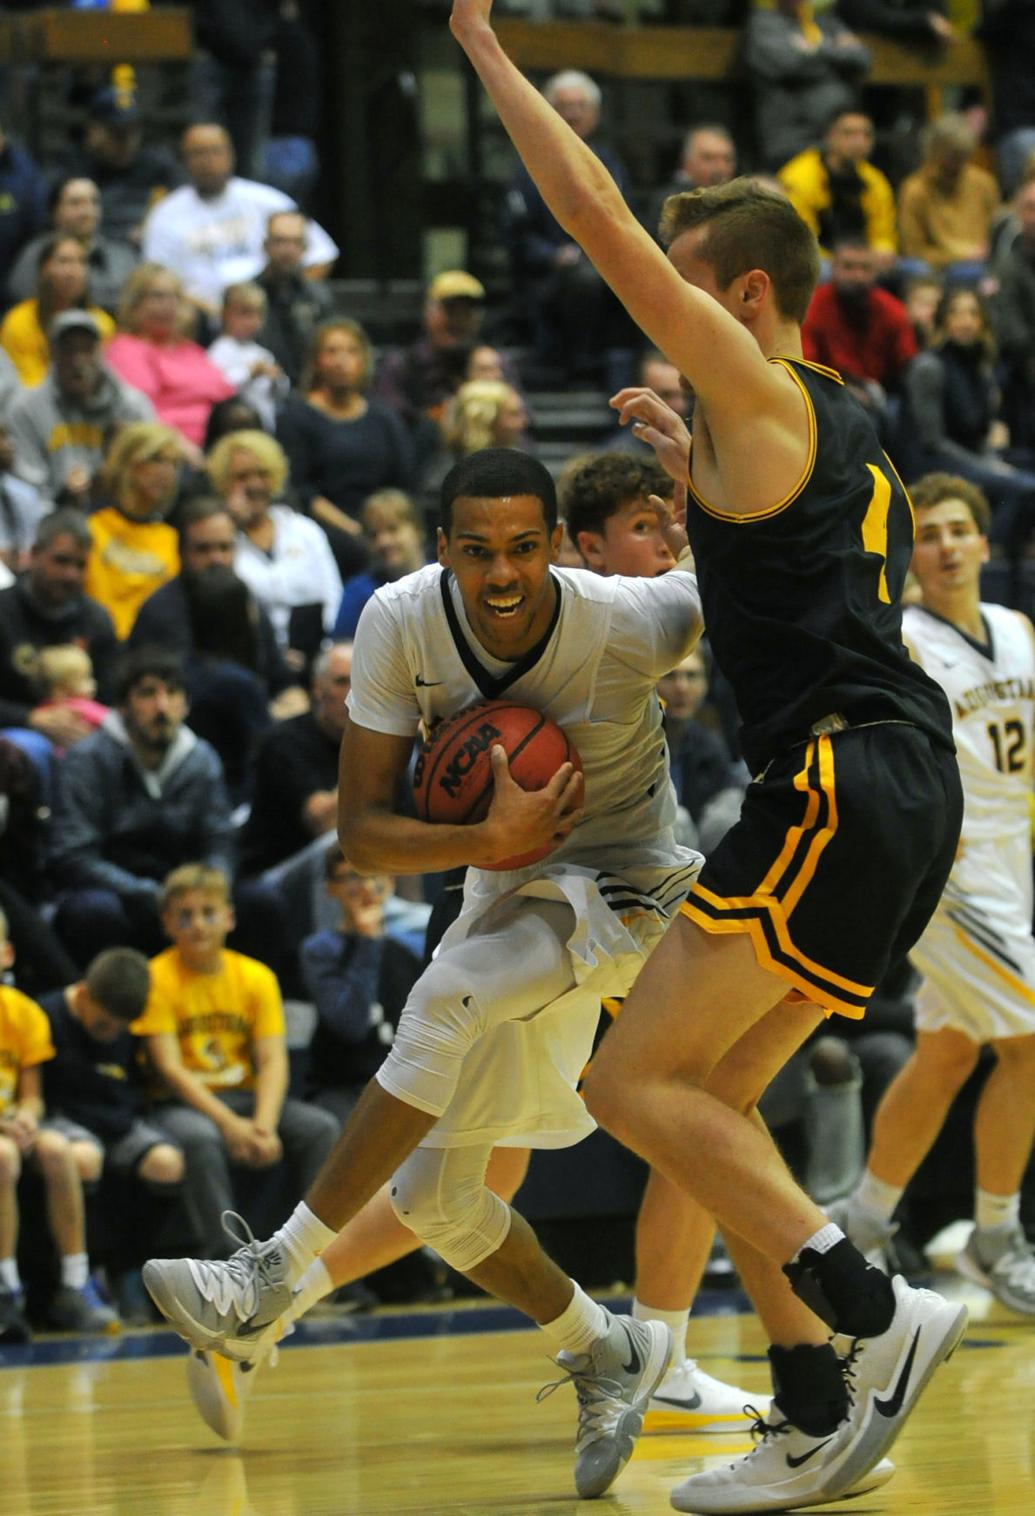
96	1078
207	535
358	976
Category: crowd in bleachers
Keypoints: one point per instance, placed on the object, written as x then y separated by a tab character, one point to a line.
206	469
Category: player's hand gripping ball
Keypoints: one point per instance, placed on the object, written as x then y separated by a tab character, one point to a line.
453	777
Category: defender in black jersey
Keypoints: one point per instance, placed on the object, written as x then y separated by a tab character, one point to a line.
802	535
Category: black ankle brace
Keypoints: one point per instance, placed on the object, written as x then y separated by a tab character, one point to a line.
809	1388
843	1290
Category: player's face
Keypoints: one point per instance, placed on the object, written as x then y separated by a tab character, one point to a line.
198	923
631	543
949	549
500	551
684	256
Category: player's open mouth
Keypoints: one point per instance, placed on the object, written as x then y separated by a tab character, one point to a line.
506	607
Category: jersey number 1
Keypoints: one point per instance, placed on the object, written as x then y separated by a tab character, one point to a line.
875	527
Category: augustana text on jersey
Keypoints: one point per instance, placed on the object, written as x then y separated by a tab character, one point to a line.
991	691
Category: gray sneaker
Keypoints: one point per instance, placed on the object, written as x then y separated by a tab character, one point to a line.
864	1230
223	1305
613	1382
82	1310
1003	1260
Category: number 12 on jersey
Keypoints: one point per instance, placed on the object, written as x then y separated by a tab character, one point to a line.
1009	746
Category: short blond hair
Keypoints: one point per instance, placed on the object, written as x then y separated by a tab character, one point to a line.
137	443
470	419
195	876
266	449
138	285
64	664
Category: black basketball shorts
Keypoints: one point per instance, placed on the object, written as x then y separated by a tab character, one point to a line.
840	856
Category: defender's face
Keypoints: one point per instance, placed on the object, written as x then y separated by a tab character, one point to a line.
685	257
949	549
500	551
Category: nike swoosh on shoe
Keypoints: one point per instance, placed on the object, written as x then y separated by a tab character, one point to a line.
893	1404
796	1463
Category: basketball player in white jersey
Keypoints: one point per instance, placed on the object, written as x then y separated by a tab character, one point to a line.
493	1039
977	955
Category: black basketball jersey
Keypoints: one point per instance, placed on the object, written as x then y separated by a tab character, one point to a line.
802	600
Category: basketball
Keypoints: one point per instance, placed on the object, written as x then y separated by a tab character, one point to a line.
452	780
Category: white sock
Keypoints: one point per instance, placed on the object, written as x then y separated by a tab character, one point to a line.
302	1236
993	1211
579	1326
10	1279
873	1195
822	1241
75	1270
676	1321
314	1284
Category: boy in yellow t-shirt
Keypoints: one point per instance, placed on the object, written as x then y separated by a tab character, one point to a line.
64	1154
214	1025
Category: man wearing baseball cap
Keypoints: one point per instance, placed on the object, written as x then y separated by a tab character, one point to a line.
59	428
418	380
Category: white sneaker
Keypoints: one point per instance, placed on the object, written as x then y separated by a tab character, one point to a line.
613	1382
887	1374
689	1400
787	1469
1003	1260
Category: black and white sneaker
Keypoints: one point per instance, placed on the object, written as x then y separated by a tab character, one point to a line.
786	1469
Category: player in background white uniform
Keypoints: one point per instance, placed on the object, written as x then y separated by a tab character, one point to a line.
977	955
498	1028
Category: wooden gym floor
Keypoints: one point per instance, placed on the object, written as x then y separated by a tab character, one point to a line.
434	1412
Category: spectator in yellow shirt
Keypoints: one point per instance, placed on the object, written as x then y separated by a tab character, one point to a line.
62	285
945	209
63	1153
839	193
215	1033
134	550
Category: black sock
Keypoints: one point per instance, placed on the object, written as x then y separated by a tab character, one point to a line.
845	1291
809	1388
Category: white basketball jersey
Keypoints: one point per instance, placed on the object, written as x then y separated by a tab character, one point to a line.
594	673
991	690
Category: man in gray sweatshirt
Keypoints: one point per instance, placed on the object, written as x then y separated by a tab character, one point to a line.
60	428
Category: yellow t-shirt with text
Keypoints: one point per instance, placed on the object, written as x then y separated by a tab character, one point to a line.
217	1018
24	1041
128	561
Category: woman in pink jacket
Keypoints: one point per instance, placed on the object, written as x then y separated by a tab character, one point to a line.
153	353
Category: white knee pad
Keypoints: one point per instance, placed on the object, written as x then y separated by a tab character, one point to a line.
440	1195
441	1022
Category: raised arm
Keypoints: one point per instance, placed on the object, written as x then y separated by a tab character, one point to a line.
718	356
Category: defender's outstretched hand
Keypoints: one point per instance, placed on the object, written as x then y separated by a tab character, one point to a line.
659	426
